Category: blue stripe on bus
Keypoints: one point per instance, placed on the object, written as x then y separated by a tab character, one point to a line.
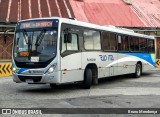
21	70
147	57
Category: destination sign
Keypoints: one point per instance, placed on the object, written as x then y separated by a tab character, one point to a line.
24	54
36	24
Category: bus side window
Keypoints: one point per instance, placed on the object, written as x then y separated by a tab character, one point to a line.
96	40
132	44
64	47
105	41
143	44
113	42
109	41
92	40
73	45
125	43
136	40
151	46
120	42
88	41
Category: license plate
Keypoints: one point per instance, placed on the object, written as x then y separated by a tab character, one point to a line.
29	81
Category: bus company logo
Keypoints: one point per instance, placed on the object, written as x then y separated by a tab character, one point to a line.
21	111
106	57
6	111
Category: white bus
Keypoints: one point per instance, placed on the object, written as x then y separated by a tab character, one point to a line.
59	50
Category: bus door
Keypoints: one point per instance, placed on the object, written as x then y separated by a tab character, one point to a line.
70	54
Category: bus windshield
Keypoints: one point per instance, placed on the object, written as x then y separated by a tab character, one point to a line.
35	45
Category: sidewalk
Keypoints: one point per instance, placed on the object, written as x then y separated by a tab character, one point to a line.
5	61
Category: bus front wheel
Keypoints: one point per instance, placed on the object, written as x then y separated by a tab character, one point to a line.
138	70
87	79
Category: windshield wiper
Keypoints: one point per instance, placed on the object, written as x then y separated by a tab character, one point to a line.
40	38
24	35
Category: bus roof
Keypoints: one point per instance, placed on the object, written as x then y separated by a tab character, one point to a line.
94	26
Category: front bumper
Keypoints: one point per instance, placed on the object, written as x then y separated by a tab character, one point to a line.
45	78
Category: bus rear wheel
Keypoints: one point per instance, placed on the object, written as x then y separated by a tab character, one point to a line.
138	70
87	79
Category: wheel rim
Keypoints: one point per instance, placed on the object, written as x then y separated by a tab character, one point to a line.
138	71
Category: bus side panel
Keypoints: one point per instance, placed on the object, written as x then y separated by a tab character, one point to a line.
71	68
71	65
106	62
127	62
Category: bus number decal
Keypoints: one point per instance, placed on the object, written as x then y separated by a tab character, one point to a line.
106	57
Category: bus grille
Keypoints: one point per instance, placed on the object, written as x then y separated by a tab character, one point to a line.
34	78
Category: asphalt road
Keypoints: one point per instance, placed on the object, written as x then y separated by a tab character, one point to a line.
114	92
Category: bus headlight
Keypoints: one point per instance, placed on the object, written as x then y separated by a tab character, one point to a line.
51	69
14	69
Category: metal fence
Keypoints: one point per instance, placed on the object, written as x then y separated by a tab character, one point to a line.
6	49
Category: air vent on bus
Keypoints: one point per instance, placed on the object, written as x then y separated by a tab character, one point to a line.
125	29
72	18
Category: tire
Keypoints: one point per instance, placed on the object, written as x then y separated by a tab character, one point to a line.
138	71
87	79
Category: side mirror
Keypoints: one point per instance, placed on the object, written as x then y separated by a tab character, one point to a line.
65	38
68	38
